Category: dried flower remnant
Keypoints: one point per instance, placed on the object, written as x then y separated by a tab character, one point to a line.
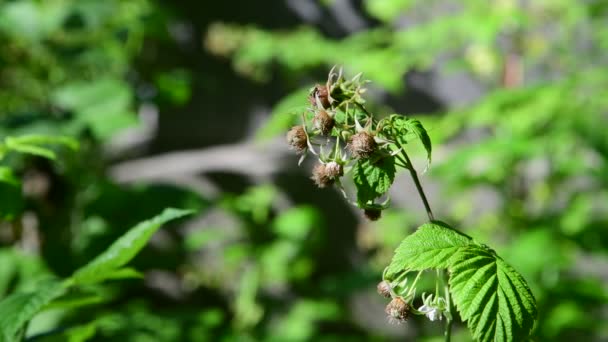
323	122
298	139
322	93
334	170
325	175
384	289
362	145
397	310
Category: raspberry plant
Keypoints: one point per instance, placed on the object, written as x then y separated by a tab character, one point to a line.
471	279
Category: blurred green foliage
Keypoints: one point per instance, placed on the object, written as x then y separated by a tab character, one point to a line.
270	269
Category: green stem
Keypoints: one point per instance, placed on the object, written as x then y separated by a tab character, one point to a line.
448	323
414	174
429	212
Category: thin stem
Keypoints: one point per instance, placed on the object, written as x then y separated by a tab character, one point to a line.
398	157
401	164
414	174
429	212
449	320
448	330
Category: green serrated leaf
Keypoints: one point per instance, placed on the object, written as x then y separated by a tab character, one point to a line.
19	308
404	129
431	246
124	249
373	178
415	126
490	295
492	298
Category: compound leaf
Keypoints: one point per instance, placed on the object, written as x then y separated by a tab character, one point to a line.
491	297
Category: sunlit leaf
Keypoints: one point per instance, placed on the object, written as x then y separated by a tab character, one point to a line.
373	178
20	307
491	297
124	249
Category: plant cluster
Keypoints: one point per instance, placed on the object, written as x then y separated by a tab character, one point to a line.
490	296
347	139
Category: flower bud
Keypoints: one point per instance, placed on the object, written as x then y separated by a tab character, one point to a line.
323	122
362	145
297	139
372	214
397	310
322	93
384	289
325	174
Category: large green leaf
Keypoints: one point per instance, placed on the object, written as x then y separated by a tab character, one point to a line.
20	307
431	246
124	249
373	178
490	295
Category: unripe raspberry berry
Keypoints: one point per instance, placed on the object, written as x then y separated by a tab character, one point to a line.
322	93
325	174
384	289
297	139
397	310
320	177
323	122
372	214
362	145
